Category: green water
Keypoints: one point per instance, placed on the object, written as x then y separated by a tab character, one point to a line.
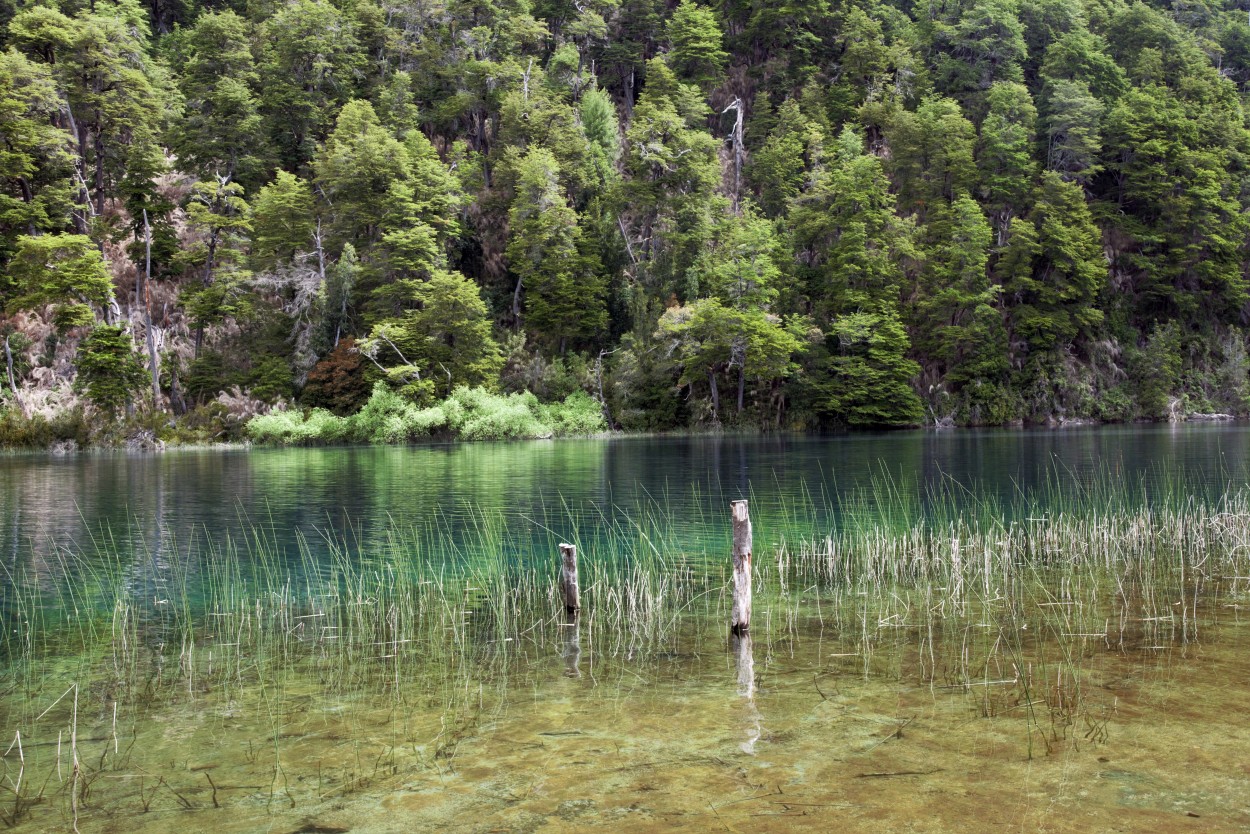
972	631
156	502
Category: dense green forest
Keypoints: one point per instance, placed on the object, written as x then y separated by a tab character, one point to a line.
632	213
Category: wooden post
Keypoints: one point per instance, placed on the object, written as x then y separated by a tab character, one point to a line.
568	579
740	620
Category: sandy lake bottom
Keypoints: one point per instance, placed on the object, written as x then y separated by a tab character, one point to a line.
805	728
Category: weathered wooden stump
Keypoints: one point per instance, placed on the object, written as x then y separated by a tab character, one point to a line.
568	579
740	619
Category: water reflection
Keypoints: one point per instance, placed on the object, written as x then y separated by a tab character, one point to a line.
572	650
154	505
744	662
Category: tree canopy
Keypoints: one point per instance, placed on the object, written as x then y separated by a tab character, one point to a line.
788	214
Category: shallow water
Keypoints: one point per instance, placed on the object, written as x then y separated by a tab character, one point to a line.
854	718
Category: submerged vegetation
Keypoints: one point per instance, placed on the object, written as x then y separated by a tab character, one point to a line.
349	665
806	214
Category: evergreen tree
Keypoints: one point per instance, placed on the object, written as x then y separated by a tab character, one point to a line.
443	342
1053	269
309	60
221	130
564	299
1005	157
852	249
931	155
283	220
63	270
109	372
695	39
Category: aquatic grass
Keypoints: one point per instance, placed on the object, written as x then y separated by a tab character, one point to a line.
997	600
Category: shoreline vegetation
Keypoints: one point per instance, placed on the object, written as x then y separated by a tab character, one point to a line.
1012	616
469	414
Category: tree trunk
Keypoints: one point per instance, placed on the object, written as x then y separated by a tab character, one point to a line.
742	387
175	399
99	174
603	401
8	361
153	366
711	380
739	148
208	282
516	305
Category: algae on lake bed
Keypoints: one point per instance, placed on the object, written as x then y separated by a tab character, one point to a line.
1070	673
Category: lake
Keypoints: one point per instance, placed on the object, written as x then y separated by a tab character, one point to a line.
1036	630
156	498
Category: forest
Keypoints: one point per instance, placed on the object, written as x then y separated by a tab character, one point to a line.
329	220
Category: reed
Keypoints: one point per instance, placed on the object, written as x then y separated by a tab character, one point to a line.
997	598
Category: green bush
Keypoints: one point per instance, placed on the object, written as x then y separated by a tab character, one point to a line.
490	416
579	414
469	414
38	432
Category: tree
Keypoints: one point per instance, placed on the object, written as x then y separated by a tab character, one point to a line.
309	59
709	339
931	155
598	118
357	171
564	297
955	303
849	244
1053	267
109	372
667	198
115	93
782	166
852	249
984	47
695	39
869	380
1005	159
1073	131
221	131
536	117
62	270
36	167
445	342
1081	55
1177	176
220	214
283	220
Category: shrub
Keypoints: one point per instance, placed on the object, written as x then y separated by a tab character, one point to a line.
494	417
469	413
579	414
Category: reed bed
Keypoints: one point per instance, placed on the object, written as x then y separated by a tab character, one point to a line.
999	602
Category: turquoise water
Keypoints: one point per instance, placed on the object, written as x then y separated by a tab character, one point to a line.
544	489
